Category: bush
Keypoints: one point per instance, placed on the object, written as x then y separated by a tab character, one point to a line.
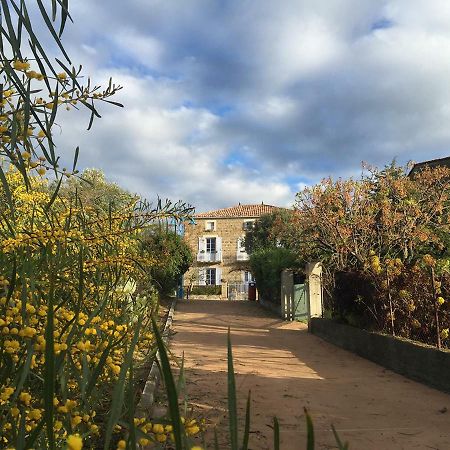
266	266
206	290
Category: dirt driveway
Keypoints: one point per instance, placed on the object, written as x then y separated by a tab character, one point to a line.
286	369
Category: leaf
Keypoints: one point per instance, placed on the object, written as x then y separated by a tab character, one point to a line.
276	434
75	158
247	423
55	194
119	390
310	431
341	446
232	404
172	394
49	368
7	191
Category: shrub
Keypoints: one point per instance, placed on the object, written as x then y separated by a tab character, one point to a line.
266	266
206	290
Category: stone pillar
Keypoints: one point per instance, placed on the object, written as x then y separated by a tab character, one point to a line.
314	289
224	294
287	294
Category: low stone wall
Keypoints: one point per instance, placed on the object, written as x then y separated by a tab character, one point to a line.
418	362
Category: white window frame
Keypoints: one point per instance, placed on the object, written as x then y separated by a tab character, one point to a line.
247	279
208	226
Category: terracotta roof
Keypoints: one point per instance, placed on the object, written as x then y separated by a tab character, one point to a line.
442	162
238	211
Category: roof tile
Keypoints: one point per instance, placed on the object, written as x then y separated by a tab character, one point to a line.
238	211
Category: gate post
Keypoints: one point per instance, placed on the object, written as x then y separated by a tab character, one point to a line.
314	289
224	294
287	294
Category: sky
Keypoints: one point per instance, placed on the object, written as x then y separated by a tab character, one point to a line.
252	100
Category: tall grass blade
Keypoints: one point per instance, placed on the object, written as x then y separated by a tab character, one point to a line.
310	431
170	388
276	434
247	423
119	390
232	403
49	370
341	446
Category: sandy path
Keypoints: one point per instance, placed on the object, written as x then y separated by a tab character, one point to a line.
286	369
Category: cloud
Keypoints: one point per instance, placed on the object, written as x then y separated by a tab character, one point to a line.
229	102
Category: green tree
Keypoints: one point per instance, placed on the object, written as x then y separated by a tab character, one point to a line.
94	190
172	255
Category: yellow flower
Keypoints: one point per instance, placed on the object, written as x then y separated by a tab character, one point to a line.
35	414
21	65
196	447
74	442
7	392
444	333
62	76
42	171
440	301
121	445
158	428
25	397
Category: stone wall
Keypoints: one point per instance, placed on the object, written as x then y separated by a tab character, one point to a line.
227	229
415	361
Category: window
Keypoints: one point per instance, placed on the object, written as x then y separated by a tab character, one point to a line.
211	245
248	225
248	277
210	225
211	277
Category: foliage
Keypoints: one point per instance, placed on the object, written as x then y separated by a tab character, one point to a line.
266	265
173	256
206	290
93	190
263	234
377	237
72	319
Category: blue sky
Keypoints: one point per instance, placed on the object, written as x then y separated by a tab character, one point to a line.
249	101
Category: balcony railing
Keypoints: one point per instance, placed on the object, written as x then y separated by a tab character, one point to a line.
242	256
209	256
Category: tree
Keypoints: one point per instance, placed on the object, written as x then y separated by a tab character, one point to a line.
171	254
93	190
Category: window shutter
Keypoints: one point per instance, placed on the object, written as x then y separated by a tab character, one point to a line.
219	249
201	249
218	276
202	277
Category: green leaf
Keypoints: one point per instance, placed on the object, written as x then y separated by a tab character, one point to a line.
232	404
54	196
247	423
119	390
341	446
172	394
75	158
15	44
276	434
310	431
7	191
49	368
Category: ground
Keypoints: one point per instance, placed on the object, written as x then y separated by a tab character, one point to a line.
286	369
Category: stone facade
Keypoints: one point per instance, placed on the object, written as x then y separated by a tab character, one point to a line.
217	242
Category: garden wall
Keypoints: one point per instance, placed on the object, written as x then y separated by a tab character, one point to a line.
419	362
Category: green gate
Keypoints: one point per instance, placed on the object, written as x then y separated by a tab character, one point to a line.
300	312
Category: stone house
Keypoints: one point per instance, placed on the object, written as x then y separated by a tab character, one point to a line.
217	242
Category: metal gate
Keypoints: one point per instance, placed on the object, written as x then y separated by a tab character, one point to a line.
300	305
237	291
